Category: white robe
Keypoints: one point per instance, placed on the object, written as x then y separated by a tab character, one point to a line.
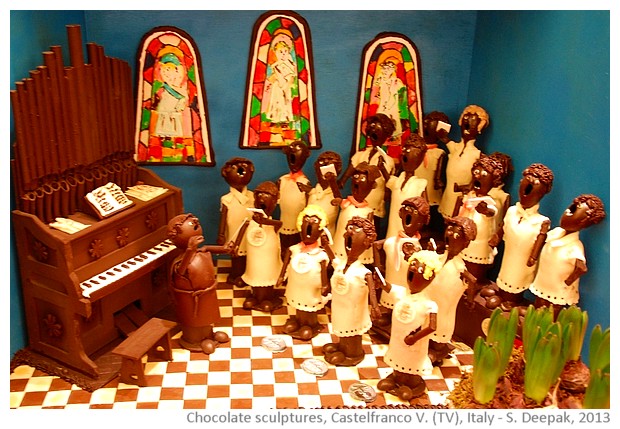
521	228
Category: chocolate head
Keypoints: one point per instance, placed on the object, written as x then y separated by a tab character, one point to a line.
379	128
266	196
536	182
182	227
430	122
585	210
326	159
458	234
506	162
310	222
473	121
238	172
296	155
363	181
423	266
486	174
358	236
413	153
414	214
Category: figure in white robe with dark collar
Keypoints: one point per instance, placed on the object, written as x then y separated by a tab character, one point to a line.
524	231
238	173
562	259
462	155
521	229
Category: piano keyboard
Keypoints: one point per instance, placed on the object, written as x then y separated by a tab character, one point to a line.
117	272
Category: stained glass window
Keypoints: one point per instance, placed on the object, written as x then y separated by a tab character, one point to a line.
390	84
172	122
279	107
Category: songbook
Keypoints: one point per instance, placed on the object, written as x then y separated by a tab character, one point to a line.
107	200
69	226
145	192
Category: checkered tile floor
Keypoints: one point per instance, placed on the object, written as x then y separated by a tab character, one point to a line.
240	374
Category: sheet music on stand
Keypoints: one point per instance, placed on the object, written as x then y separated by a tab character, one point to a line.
145	192
108	199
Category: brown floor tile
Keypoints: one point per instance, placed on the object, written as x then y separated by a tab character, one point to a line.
263	390
241	404
285	377
240	378
33	398
171	393
218	391
287	403
194	404
196	379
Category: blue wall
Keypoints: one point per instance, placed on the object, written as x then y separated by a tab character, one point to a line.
465	59
338	38
544	79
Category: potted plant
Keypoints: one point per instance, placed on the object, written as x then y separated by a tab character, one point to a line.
491	356
545	352
543	369
598	392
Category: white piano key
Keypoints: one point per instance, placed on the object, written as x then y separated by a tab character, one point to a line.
123	269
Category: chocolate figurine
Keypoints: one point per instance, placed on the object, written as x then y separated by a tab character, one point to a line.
449	284
436	127
263	264
413	320
462	155
501	197
524	231
562	259
326	193
305	267
292	198
407	184
379	129
414	215
363	182
238	173
479	206
352	288
194	285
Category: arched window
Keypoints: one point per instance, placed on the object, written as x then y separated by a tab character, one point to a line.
279	101
390	84
172	125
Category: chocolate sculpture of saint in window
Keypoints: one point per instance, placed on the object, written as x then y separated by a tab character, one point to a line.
172	121
389	85
279	101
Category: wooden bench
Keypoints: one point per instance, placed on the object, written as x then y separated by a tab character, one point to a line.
152	338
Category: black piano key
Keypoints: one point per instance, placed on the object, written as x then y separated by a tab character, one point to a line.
117	272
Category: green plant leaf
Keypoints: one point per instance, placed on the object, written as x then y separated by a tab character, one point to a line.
578	320
486	370
545	364
537	322
599	348
597	394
